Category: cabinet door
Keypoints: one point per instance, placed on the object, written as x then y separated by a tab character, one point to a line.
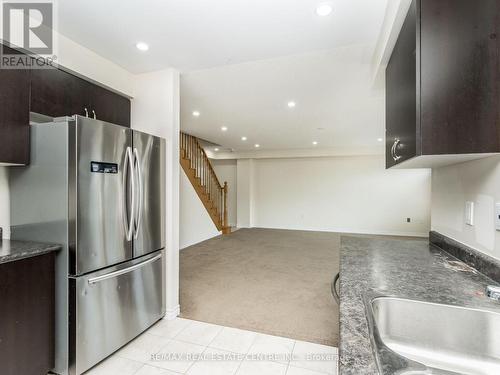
57	93
14	114
110	107
460	75
401	94
27	312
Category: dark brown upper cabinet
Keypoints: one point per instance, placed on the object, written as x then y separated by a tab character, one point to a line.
443	84
14	114
56	93
110	107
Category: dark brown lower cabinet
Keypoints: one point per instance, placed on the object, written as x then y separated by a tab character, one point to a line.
27	316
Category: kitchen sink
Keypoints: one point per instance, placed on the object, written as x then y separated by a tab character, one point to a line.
415	337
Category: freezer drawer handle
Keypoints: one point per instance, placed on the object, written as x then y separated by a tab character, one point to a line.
111	275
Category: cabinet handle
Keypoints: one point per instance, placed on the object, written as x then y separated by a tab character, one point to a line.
395	156
95	116
86	112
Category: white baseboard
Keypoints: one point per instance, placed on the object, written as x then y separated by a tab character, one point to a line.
353	231
172	313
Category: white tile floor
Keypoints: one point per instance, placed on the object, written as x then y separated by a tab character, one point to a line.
189	347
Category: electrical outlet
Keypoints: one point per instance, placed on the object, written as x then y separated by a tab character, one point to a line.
469	213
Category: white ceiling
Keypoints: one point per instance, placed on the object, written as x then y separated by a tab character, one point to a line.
197	34
335	103
243	60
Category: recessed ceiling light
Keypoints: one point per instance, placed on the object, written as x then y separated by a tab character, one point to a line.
291	104
141	46
216	149
324	9
257	145
380	139
315	143
243	138
224	128
196	114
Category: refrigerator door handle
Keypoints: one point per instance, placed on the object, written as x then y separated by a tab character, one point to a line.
129	164
124	193
114	274
141	192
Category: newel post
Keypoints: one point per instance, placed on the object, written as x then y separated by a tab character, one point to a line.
225	205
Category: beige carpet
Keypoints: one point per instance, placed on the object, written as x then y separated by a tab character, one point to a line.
265	280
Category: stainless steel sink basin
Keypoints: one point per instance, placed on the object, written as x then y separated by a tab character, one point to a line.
413	337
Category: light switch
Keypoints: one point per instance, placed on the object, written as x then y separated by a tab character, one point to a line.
469	213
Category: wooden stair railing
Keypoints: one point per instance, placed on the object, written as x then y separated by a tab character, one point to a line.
199	170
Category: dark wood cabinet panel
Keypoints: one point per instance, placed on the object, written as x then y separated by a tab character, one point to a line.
56	93
27	316
110	107
443	82
460	84
14	114
401	100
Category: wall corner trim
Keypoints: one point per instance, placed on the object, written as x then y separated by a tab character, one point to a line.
172	313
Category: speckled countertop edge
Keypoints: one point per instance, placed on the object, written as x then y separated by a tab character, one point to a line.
403	268
11	251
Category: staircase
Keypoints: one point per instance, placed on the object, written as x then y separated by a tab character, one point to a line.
213	194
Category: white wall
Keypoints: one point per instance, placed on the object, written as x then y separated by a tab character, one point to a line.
226	172
155	110
195	224
341	194
477	181
245	198
88	64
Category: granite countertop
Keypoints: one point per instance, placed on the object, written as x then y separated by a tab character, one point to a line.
15	250
402	268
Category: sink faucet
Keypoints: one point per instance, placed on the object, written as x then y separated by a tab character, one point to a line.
493	292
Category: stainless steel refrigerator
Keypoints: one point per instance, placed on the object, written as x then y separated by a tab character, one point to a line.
99	190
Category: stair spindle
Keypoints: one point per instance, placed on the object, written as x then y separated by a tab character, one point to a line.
200	172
